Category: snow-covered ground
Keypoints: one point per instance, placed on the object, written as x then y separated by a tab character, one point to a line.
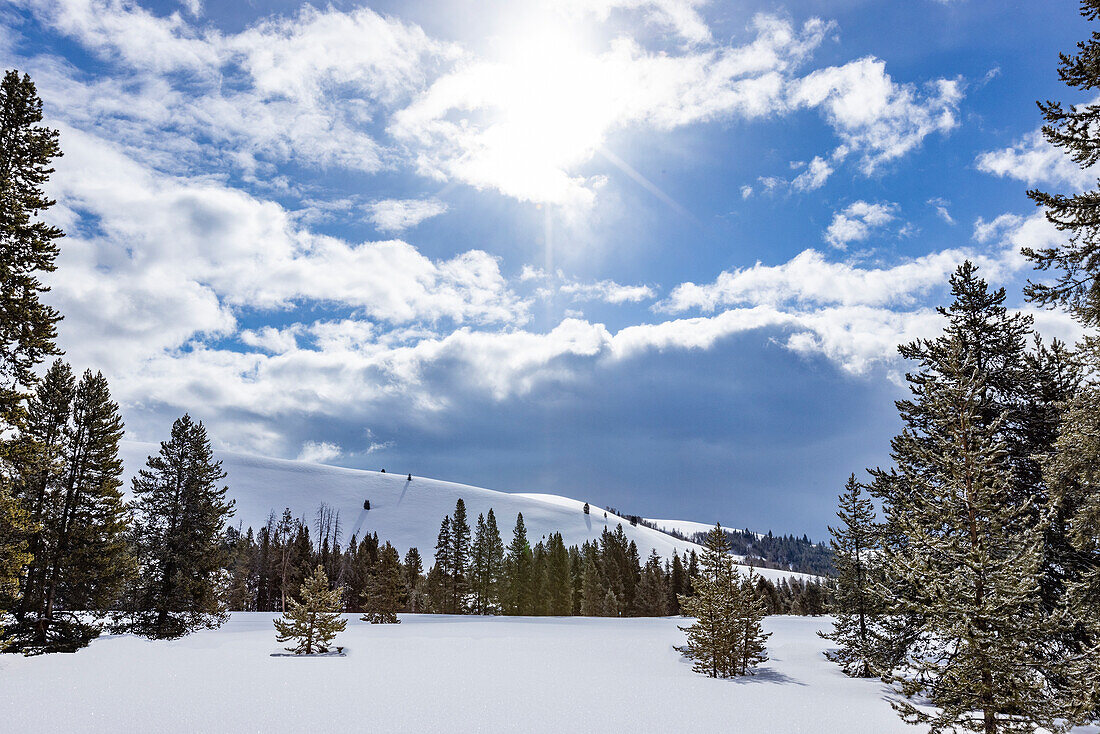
407	513
440	673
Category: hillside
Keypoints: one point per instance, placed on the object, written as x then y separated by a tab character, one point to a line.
407	513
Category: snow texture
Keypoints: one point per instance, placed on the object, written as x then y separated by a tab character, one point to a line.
436	673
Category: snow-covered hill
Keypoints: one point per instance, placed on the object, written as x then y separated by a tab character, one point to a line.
406	513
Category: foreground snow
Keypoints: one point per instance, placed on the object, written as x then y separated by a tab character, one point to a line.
436	673
408	513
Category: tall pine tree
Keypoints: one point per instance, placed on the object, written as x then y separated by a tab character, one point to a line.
28	249
519	572
856	617
385	589
970	565
181	514
81	556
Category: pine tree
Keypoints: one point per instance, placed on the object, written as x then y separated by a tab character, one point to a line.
518	593
855	618
1075	131
971	567
651	599
487	565
444	565
15	527
312	623
385	589
41	475
82	558
414	588
181	514
1072	569
28	249
477	566
677	582
1073	473
749	611
460	558
591	589
713	640
559	579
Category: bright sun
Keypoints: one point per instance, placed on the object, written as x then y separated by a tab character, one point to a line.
552	102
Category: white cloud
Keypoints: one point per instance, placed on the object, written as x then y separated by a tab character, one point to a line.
319	452
809	279
167	260
522	123
308	87
814	177
270	339
856	222
872	114
746	192
299	87
1035	161
396	215
608	291
941	209
680	16
605	290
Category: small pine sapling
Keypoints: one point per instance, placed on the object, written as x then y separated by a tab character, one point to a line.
313	622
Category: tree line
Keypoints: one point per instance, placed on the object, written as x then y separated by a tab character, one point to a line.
973	587
474	572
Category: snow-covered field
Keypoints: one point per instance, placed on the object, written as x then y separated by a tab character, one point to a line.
440	673
408	513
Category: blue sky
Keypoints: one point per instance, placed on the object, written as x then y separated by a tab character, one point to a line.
657	253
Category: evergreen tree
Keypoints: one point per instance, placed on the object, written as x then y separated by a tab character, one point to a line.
180	516
749	612
494	564
460	558
558	577
677	581
714	639
312	623
14	528
651	599
444	566
518	593
82	559
385	589
854	616
487	565
28	249
591	589
414	588
42	472
1073	473
1075	130
435	591
970	566
477	566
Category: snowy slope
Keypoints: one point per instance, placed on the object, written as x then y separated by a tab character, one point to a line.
406	513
